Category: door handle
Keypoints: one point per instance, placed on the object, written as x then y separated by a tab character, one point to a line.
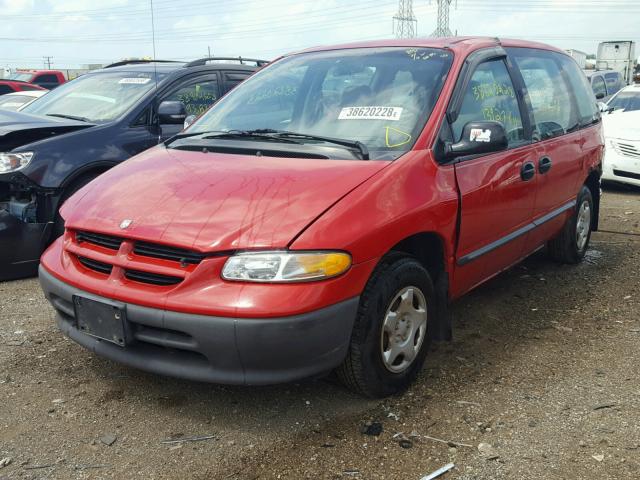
544	165
528	171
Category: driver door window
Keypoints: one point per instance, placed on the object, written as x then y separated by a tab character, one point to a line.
197	96
599	87
490	95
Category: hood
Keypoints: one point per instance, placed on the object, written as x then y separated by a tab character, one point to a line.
622	125
18	128
211	201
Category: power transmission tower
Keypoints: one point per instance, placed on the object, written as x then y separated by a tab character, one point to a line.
405	24
47	61
442	28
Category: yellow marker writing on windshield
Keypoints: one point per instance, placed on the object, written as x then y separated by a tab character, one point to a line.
403	137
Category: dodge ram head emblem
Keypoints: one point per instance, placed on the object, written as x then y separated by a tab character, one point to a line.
124	224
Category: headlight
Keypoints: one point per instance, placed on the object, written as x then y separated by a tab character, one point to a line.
10	162
285	266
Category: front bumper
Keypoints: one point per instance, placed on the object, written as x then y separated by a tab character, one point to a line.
21	245
216	349
622	162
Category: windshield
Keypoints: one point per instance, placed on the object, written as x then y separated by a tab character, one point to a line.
20	76
381	97
98	98
627	101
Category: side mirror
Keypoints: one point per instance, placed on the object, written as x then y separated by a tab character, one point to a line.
189	120
171	112
478	138
600	95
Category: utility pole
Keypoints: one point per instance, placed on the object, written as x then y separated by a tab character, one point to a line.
209	50
442	28
405	24
47	61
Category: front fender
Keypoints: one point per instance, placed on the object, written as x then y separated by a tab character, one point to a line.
414	195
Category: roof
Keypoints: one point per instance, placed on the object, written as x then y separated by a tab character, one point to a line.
452	43
169	67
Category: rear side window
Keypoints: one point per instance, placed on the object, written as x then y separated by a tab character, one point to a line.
233	79
549	93
599	88
5	89
490	96
587	107
613	82
46	80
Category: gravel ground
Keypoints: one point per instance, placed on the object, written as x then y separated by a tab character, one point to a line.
542	376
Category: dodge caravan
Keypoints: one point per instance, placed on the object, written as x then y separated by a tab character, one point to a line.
323	214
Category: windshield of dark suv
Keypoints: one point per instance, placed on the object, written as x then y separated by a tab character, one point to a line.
378	99
98	97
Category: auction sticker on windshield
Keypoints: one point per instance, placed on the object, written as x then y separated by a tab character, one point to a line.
137	81
370	113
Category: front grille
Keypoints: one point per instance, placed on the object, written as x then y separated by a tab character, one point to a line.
152	278
106	241
622	173
626	149
155	250
95	265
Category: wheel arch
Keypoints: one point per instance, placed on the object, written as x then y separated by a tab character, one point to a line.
429	249
593	184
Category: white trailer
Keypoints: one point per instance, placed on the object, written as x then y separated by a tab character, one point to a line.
579	57
620	56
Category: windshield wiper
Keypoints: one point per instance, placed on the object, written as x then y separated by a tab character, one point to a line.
70	117
361	147
277	135
222	134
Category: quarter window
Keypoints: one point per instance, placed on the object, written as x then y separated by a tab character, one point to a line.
490	95
548	93
587	108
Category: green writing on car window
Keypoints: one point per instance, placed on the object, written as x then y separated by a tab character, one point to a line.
197	102
492	90
503	116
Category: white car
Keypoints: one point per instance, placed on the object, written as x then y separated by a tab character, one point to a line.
17	100
622	137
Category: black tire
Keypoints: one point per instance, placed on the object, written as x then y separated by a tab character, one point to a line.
77	184
566	247
364	370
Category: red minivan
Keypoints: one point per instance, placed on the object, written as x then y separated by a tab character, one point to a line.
323	214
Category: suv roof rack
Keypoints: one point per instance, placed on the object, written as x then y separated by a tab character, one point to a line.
141	60
242	60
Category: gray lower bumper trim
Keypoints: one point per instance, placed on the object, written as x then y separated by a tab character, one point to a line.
217	349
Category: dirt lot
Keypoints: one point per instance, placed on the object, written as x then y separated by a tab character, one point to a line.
543	372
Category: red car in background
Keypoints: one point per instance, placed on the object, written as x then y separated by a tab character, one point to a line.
322	215
47	79
10	86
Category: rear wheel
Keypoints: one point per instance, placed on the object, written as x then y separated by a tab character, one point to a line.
391	334
573	241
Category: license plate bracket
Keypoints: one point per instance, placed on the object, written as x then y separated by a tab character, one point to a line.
101	319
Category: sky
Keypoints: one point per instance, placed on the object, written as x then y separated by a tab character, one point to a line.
78	32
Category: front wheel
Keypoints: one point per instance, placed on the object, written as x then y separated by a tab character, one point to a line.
391	334
573	241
